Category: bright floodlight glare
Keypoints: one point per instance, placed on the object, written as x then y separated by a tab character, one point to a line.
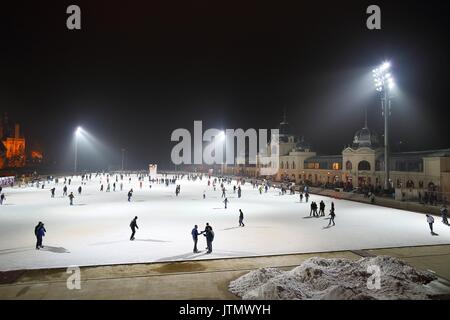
78	131
385	66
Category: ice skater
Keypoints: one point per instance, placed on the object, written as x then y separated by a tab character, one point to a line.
239	192
65	191
241	218
307	197
195	234
71	196
79	190
130	194
2	198
52	190
301	196
133	226
209	234
444	214
430	221
322	208
39	231
226	202
332	216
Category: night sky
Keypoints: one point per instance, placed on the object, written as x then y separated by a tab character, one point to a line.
140	69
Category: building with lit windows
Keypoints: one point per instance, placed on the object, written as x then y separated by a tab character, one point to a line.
359	166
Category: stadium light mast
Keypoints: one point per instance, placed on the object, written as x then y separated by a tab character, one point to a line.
77	135
384	84
123	157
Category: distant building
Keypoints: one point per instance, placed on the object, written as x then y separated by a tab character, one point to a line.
12	149
360	165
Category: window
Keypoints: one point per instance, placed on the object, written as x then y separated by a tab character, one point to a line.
293	164
287	164
364	166
336	166
316	165
348	165
282	165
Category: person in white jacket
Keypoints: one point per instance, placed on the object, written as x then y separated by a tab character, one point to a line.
430	221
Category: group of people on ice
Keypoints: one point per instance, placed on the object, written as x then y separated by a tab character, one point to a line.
209	235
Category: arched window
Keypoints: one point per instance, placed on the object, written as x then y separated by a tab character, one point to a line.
348	165
287	164
364	166
293	164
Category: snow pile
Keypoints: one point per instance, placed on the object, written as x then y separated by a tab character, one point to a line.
319	278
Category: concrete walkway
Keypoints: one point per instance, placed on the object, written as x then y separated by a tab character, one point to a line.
206	279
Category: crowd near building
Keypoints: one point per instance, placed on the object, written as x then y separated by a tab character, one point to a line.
422	175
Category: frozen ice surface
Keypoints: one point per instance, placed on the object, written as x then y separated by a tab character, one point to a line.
95	230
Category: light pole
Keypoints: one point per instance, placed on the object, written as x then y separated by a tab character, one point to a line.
384	83
77	134
123	157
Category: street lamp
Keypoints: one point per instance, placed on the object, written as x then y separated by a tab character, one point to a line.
123	157
222	136
384	83
77	134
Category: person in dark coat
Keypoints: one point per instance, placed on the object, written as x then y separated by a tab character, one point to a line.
209	234
133	226
2	198
53	192
226	202
322	208
65	191
241	218
71	196
130	194
79	190
39	231
195	234
332	216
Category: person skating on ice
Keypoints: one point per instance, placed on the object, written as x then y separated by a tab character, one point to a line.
133	226
322	208
332	216
444	214
39	231
65	191
79	190
71	196
195	234
226	202
241	218
430	221
52	190
130	194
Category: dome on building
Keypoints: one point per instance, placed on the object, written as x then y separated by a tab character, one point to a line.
365	138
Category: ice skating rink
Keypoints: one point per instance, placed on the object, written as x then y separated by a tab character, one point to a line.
95	230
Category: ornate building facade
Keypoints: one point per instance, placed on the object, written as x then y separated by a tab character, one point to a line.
12	145
360	165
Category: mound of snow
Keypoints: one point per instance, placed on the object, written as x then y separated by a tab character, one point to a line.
319	278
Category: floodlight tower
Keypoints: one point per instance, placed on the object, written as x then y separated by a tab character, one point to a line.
77	135
384	84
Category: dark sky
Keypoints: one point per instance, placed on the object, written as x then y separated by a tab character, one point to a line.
140	69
